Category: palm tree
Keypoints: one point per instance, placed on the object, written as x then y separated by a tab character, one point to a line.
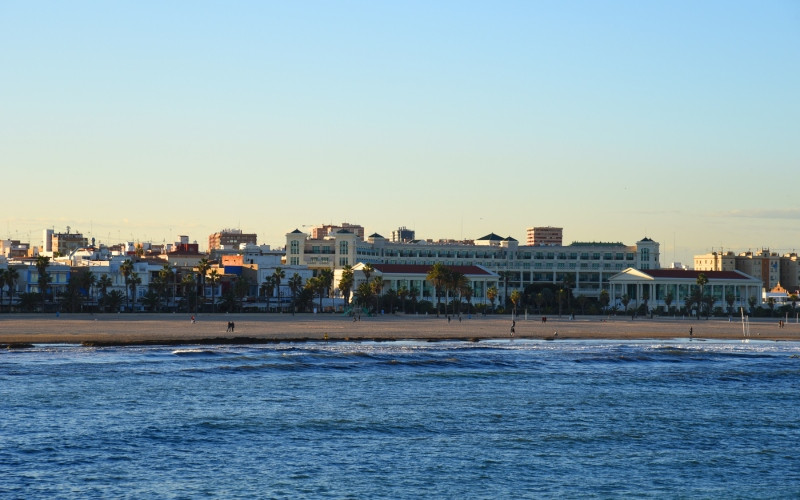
133	281
202	268
214	278
701	282
2	285
295	286
12	276
516	297
437	275
279	275
126	270
604	299
402	294
367	270
104	283
505	276
346	283
42	262
465	290
731	298
268	288
625	300
189	290
491	294
668	298
326	277
377	286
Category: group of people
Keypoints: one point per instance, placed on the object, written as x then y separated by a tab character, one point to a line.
231	327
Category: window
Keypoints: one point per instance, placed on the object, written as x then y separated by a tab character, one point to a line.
644	254
295	248
343	261
343	247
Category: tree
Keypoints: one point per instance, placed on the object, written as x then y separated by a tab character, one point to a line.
668	298
202	268
113	300
730	299
214	278
241	285
505	276
133	281
326	277
377	287
2	285
491	294
363	294
465	290
702	281
268	288
605	299
295	286
438	275
402	294
346	283
12	277
189	291
516	297
278	275
104	283
126	270
751	301
42	262
625	300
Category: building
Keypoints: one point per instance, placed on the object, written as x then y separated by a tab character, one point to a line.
544	236
230	239
62	243
659	286
403	235
587	267
320	232
770	267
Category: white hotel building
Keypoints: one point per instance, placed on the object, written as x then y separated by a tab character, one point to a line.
586	266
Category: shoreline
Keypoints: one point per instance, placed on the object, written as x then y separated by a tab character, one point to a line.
100	330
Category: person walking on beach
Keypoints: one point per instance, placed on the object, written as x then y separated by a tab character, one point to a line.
690	332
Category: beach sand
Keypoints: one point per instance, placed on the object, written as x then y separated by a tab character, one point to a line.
173	329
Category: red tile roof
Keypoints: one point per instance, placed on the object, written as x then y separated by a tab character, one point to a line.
423	269
691	274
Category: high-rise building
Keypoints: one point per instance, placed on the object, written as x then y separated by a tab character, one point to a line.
320	232
230	238
544	236
403	235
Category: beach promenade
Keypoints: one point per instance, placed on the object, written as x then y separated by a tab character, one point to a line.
121	329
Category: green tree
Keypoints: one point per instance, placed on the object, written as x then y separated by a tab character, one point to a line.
377	287
702	281
126	270
625	300
134	281
113	300
438	275
295	287
268	288
202	268
326	276
104	283
668	299
346	283
730	299
279	274
491	294
12	277
214	278
189	291
604	299
516	297
42	263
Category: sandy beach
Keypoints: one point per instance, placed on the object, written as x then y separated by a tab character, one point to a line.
122	329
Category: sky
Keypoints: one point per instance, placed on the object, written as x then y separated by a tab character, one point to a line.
616	120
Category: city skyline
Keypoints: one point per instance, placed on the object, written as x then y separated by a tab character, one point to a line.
615	121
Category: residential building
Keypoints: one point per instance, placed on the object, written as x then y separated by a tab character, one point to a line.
544	236
770	267
320	232
230	239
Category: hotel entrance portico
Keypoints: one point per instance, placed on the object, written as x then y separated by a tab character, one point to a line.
655	285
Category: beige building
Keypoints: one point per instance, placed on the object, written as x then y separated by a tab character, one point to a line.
544	236
770	267
320	232
586	266
230	239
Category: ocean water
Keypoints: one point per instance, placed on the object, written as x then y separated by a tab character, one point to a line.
498	419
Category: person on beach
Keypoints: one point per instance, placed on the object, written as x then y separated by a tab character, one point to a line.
192	319
690	332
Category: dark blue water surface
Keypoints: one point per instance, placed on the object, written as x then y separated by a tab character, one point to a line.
603	419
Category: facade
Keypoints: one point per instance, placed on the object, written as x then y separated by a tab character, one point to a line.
403	235
320	232
586	266
544	236
656	285
230	239
62	243
770	267
413	277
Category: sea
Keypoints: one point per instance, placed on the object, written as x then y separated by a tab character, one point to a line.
449	419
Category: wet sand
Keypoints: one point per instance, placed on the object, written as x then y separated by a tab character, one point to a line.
173	329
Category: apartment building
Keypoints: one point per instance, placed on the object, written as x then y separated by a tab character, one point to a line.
771	268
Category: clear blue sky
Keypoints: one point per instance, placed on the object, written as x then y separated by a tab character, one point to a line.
677	120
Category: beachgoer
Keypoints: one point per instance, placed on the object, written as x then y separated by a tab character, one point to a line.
192	319
233	326
555	334
690	331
